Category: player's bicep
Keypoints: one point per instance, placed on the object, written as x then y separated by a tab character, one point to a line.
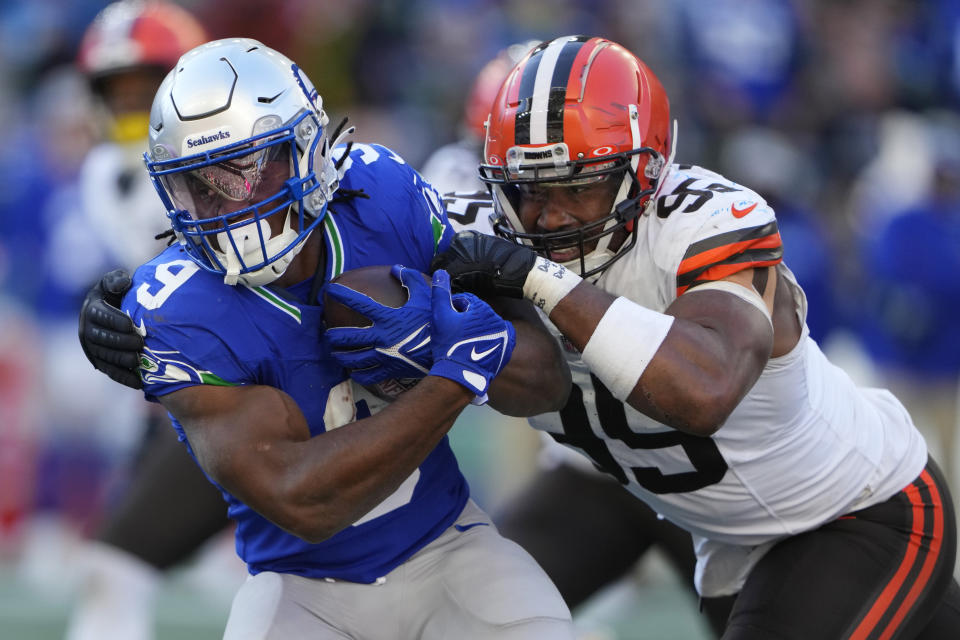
735	313
241	435
756	287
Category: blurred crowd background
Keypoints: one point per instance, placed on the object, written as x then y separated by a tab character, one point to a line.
842	113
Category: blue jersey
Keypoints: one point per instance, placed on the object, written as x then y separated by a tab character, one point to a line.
201	331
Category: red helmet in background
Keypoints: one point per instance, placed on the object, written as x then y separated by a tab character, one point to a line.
138	33
487	84
573	110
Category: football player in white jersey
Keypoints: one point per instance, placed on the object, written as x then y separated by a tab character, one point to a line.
576	521
696	384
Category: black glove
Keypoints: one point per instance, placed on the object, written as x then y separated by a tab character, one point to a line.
107	336
486	265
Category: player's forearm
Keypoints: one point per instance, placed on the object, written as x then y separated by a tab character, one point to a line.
350	470
255	442
537	379
700	358
577	314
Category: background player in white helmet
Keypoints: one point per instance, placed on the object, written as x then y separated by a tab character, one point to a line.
353	517
576	521
696	384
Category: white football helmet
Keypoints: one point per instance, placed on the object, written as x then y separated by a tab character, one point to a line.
238	139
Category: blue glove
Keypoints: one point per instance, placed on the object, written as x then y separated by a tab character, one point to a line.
396	345
471	343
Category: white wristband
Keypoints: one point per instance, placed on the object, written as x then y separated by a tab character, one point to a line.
623	344
548	283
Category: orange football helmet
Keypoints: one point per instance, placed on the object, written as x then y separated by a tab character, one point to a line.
575	109
487	84
136	33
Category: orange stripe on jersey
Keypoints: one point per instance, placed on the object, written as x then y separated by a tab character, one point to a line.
721	271
728	253
868	626
719	254
929	562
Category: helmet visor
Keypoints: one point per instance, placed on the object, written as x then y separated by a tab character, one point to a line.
233	183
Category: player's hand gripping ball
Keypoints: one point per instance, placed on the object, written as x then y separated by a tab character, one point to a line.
378	327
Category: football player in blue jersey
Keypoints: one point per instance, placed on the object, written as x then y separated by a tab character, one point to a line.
352	514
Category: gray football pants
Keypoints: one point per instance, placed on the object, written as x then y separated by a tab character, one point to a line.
470	583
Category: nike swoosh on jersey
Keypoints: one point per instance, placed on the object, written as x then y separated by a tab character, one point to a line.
465	527
739	213
474	355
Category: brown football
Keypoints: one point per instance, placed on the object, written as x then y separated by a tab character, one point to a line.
377	283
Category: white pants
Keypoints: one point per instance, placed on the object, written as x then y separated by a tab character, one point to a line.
470	583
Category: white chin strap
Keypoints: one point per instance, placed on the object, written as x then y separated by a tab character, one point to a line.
247	241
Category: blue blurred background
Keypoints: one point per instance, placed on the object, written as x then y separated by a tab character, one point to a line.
842	114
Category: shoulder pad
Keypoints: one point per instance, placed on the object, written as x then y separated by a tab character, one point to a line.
724	227
469	211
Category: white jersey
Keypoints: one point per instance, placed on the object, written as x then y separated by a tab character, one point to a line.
119	199
455	167
107	219
804	446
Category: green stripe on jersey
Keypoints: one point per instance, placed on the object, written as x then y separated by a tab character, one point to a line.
335	242
277	302
437	227
214	379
